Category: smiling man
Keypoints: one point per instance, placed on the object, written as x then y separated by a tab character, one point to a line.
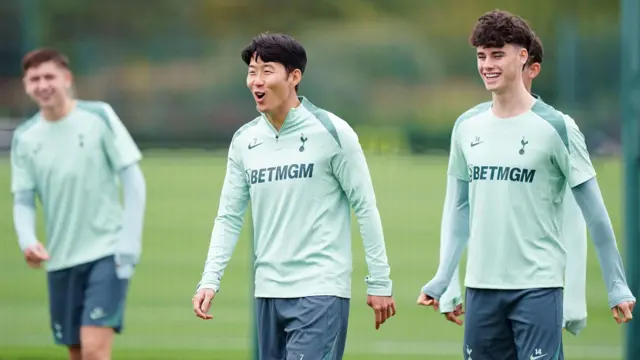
303	170
70	156
574	234
512	159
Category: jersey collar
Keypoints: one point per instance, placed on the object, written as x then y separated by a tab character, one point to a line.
295	116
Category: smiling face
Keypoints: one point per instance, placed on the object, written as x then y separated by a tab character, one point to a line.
501	67
47	84
271	84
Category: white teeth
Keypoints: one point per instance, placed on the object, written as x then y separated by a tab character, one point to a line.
492	75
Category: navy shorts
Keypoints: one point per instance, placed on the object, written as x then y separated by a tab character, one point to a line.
85	295
309	328
513	324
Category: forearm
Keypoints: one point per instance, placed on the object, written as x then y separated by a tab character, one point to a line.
227	225
352	172
574	231
589	198
134	191
24	218
378	280
452	297
455	233
224	237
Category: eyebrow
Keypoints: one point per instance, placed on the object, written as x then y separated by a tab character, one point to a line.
265	65
492	52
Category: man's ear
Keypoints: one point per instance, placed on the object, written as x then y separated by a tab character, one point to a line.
534	70
296	77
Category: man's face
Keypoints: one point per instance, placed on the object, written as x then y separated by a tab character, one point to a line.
501	67
529	73
270	84
47	84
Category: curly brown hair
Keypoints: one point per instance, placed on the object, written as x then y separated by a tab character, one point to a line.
498	28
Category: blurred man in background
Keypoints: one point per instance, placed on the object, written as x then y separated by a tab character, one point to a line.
303	169
574	235
70	156
513	160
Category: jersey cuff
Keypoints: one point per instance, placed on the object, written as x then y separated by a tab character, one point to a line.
379	287
207	285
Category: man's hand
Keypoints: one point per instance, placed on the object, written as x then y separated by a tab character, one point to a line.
383	308
453	316
125	265
35	255
426	300
202	303
625	309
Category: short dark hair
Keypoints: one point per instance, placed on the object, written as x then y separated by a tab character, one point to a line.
40	56
498	28
536	51
279	48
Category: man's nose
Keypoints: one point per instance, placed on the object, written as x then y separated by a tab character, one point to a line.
258	80
41	84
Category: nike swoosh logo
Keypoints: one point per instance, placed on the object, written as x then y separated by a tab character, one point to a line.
476	143
251	146
537	357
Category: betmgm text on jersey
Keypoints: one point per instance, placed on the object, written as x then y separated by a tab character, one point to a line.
501	173
278	173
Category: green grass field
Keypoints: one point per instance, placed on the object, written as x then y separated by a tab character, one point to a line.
183	190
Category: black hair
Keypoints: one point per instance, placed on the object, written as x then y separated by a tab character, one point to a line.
278	48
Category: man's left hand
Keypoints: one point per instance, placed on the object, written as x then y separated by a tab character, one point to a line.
625	309
383	308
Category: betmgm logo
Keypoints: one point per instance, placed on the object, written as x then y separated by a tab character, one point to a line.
500	173
279	173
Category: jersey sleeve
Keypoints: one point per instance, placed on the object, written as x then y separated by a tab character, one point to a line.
458	167
234	200
22	176
455	238
572	156
121	150
352	172
589	197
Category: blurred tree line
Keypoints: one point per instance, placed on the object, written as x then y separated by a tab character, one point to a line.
399	71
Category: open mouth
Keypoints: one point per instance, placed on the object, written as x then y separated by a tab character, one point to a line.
259	95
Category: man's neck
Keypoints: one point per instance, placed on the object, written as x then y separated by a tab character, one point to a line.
279	115
56	113
512	102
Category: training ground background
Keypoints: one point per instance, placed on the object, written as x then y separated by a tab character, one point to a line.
183	190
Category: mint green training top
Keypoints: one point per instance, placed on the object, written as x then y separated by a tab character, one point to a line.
302	182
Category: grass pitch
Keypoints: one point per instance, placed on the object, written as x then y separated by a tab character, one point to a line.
183	190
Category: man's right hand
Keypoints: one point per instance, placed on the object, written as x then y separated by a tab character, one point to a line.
202	303
35	254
